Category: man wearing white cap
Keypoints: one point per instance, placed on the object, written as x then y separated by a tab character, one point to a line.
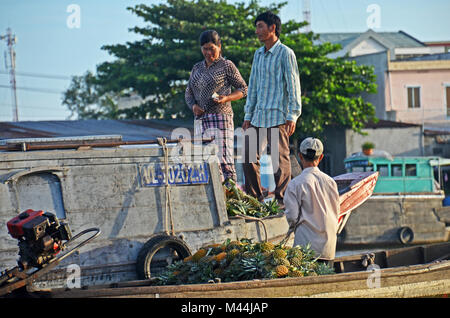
312	203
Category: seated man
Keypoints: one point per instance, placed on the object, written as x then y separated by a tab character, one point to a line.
312	203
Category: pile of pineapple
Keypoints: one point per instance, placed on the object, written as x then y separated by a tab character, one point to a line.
240	203
243	260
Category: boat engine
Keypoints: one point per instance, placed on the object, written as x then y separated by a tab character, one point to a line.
40	236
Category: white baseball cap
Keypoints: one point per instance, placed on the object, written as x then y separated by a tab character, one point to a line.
311	147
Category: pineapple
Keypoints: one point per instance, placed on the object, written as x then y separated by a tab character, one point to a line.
237	260
295	273
267	246
281	261
206	259
220	257
233	245
232	254
199	255
296	262
279	253
281	271
295	252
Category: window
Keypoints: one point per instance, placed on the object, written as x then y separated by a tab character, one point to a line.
358	169
410	170
396	170
384	170
413	97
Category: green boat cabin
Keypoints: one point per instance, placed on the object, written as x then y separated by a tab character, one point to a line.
399	174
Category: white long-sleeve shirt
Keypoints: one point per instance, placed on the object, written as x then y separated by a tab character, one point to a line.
312	202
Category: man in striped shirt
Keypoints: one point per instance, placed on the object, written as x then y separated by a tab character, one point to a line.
273	105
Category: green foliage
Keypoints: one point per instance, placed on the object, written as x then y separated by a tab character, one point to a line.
368	145
240	203
250	261
86	99
158	66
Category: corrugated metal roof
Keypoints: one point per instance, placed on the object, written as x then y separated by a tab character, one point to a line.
130	130
397	39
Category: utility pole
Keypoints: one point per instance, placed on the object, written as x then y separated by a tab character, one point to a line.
11	40
306	6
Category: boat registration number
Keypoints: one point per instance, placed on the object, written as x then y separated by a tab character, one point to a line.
154	174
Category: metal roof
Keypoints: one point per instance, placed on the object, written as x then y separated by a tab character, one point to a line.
130	130
398	39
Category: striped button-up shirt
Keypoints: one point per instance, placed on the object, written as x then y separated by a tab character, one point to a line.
274	88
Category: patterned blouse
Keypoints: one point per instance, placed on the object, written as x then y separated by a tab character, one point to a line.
218	78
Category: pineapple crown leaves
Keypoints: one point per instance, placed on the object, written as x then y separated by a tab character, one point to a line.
240	203
247	261
254	267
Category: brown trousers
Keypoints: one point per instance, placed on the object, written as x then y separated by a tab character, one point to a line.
280	160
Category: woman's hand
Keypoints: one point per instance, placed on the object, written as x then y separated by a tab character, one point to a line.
221	99
197	110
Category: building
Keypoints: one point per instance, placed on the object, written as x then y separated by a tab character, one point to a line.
413	77
339	143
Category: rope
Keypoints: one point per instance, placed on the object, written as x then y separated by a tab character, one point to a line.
290	231
168	207
255	219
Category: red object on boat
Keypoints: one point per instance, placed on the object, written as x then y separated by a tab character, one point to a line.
16	225
354	189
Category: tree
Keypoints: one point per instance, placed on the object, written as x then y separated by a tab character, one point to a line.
158	66
86	99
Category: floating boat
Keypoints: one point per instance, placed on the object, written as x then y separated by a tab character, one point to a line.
354	189
154	202
419	271
406	206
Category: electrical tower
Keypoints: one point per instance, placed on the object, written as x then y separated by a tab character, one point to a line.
11	40
306	6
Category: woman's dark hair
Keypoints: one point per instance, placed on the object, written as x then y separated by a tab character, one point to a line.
209	36
270	18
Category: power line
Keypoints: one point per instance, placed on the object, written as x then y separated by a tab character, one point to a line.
58	77
58	108
35	89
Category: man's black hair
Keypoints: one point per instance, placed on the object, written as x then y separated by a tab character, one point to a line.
310	155
270	18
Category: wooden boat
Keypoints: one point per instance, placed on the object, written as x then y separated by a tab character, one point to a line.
419	271
122	191
354	189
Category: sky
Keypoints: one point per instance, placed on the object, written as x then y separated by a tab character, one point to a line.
57	39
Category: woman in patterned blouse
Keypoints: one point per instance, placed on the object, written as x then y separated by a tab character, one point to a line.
209	96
